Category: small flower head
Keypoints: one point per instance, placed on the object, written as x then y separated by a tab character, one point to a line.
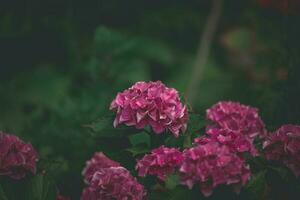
236	125
284	146
237	118
211	164
98	161
113	183
161	162
151	104
237	142
17	158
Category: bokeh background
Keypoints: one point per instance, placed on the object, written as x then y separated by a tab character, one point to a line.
63	61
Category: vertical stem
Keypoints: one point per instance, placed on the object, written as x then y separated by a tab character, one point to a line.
203	50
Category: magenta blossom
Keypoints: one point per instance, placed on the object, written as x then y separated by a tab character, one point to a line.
113	183
161	162
284	146
17	158
237	118
98	161
237	143
212	164
151	104
235	125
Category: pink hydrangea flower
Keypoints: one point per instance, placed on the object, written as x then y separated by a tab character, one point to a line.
161	162
236	125
236	117
113	183
237	143
212	164
284	146
17	158
98	161
151	104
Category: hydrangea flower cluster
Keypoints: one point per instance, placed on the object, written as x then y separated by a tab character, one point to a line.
161	162
17	158
97	162
211	164
107	180
284	146
235	125
151	104
113	183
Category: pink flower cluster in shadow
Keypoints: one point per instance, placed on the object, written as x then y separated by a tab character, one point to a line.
107	180
211	164
161	162
284	146
17	158
235	125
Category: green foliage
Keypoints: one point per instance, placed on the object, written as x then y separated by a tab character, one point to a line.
140	139
38	187
62	71
172	181
256	186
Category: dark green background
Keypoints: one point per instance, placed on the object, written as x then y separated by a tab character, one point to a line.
62	62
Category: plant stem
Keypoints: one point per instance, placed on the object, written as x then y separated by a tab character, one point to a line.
203	50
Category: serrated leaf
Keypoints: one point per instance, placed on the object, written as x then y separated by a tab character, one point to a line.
142	138
172	181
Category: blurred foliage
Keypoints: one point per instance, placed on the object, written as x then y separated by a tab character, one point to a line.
64	61
39	187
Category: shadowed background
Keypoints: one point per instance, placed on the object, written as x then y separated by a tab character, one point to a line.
62	62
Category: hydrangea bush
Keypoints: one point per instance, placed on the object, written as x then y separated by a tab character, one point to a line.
233	150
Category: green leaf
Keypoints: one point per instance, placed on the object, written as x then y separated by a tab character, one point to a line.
283	172
138	150
40	188
2	194
180	193
100	124
104	128
172	181
172	141
257	185
140	139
